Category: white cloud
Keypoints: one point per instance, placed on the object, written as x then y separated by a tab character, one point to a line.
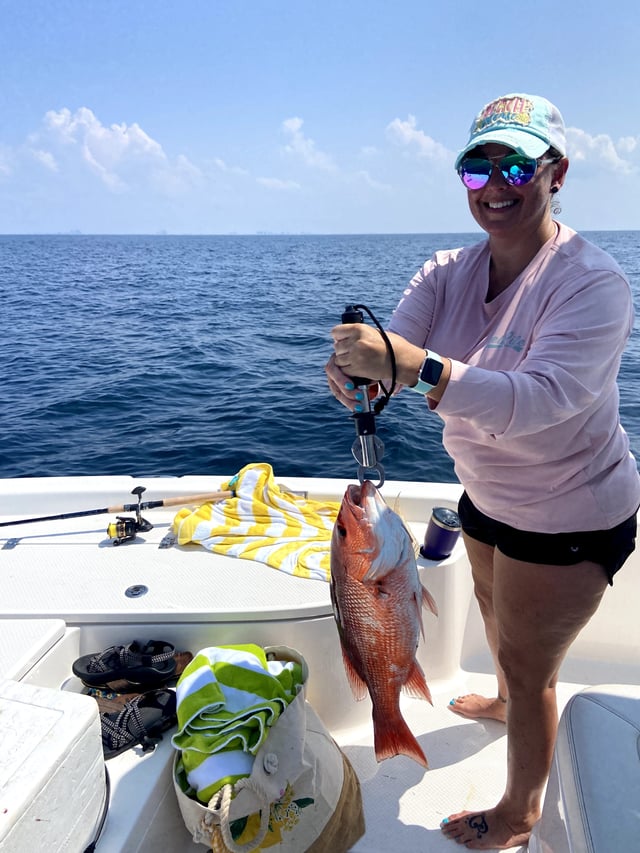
278	184
304	148
366	178
46	158
122	156
405	133
5	158
601	149
233	170
629	144
176	178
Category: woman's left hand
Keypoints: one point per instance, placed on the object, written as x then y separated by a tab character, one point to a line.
343	389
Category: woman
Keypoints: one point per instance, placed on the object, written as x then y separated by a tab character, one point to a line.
516	343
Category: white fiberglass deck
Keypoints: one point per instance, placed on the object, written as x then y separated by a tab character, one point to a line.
86	576
69	572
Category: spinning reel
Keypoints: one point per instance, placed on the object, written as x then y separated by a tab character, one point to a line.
124	528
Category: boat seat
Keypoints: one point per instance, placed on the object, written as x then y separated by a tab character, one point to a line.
592	802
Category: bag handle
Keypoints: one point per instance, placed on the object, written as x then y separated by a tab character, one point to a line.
223	804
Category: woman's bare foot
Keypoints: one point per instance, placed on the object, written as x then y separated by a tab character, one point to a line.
485	830
477	707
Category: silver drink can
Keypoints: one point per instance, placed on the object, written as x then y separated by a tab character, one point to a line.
442	533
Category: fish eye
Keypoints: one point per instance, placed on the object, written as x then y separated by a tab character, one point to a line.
342	530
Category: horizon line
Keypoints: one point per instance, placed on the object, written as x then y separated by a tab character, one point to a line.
77	233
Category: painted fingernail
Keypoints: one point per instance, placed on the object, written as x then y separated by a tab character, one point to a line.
359	395
349	386
453	702
444	821
358	408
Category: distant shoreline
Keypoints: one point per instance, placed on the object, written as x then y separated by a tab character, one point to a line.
289	233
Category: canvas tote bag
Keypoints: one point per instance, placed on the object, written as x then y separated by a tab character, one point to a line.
303	795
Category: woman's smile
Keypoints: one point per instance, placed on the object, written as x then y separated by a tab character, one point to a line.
498	205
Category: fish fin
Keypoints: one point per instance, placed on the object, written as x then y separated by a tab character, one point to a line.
392	736
416	684
425	599
428	601
418	602
415	545
358	686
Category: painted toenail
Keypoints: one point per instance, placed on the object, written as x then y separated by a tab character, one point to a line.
453	702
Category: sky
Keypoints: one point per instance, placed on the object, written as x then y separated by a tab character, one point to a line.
296	116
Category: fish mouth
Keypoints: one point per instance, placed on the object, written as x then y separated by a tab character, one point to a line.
365	505
365	501
355	494
354	499
366	526
367	490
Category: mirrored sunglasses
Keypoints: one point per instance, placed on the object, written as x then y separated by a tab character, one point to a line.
516	169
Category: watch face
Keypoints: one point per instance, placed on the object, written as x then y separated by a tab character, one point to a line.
431	371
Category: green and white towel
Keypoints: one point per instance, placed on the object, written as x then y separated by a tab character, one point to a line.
227	698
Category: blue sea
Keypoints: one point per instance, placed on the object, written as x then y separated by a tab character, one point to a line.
174	355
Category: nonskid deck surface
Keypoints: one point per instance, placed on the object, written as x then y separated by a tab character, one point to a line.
403	803
69	570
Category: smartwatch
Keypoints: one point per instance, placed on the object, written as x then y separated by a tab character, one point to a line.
429	373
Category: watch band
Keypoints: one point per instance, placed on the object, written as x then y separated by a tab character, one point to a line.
429	373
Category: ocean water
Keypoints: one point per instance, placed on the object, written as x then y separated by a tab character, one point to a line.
162	355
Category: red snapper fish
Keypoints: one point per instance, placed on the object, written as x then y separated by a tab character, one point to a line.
377	602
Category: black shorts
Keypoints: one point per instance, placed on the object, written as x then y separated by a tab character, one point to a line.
609	548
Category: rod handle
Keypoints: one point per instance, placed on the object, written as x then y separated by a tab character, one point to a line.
183	500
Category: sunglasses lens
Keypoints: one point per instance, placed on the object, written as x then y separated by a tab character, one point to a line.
475	172
517	170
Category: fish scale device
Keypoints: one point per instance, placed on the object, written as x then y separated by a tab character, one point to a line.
368	448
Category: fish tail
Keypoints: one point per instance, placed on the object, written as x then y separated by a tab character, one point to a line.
392	736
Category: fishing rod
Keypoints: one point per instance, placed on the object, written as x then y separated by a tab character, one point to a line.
136	507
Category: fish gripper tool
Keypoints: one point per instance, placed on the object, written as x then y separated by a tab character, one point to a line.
367	449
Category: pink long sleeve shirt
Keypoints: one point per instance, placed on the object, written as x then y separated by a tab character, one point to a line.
531	409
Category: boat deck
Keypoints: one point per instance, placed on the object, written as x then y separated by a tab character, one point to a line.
64	592
403	803
467	770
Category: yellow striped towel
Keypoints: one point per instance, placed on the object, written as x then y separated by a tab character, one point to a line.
265	523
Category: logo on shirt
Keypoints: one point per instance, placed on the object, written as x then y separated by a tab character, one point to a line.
508	341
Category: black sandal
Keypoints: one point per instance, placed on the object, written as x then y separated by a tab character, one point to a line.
141	721
149	664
